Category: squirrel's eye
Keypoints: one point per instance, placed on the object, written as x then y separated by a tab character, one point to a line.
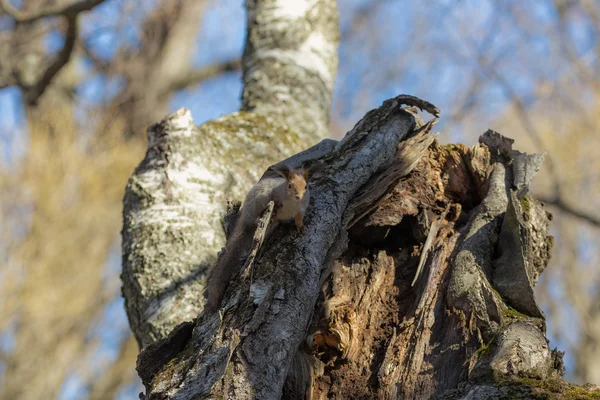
305	186
289	185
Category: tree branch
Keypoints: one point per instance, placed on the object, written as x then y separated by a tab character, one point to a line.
7	80
33	93
117	374
520	108
559	203
99	64
193	76
163	282
67	10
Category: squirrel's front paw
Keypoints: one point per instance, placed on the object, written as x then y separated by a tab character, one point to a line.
300	228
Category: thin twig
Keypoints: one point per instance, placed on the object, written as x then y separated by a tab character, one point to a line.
67	10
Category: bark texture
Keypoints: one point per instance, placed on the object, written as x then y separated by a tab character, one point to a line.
469	319
250	345
175	201
173	209
290	62
342	311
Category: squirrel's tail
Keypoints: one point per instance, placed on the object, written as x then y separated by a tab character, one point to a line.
228	264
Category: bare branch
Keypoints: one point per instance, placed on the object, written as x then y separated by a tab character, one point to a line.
120	372
68	10
7	80
520	107
557	199
361	16
34	92
193	76
559	203
98	63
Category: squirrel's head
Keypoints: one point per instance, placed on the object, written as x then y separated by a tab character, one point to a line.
297	179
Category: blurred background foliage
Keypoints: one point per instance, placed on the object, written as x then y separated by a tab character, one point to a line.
73	129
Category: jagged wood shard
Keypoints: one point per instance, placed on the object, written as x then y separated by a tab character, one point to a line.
525	167
514	274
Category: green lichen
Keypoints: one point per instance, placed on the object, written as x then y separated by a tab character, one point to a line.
483	350
551	385
487	348
168	370
579	393
450	147
511	313
551	389
549	242
525	204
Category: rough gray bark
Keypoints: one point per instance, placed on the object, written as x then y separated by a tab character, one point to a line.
173	207
290	62
175	200
246	351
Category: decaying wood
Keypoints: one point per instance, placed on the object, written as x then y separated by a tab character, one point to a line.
427	247
373	336
257	241
413	280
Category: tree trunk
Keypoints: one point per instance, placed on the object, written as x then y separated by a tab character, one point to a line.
290	62
175	201
413	280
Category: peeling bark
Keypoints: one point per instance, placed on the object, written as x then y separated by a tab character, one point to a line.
340	312
246	350
373	336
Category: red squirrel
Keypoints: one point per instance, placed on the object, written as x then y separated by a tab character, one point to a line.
291	195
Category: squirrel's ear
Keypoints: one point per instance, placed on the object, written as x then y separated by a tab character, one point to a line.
282	170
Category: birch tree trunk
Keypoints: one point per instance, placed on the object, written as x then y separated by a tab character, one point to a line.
413	280
176	198
290	62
